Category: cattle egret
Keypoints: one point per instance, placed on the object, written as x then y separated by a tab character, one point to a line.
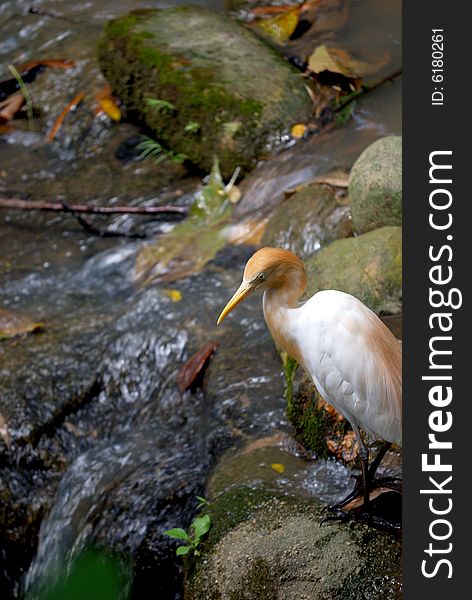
352	357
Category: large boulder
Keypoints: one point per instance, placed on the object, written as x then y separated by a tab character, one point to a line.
375	186
230	93
368	266
267	539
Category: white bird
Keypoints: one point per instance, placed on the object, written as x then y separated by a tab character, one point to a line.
353	358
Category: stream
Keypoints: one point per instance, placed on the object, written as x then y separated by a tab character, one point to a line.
102	448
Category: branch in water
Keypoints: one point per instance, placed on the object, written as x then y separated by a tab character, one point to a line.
16	203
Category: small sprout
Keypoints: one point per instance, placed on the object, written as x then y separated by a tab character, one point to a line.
202	501
199	527
160	105
192	127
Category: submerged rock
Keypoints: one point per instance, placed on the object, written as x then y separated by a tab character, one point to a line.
368	266
375	186
229	93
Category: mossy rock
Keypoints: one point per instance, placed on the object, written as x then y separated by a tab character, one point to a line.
214	72
317	426
276	548
368	266
375	185
309	219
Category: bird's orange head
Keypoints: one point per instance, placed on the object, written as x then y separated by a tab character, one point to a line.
270	268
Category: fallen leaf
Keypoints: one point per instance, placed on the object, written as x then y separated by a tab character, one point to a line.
60	63
297	131
338	178
60	119
194	366
280	27
278	467
359	501
174	295
334	67
10	106
110	107
13	324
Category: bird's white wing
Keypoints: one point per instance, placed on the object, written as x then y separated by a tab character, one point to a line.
354	360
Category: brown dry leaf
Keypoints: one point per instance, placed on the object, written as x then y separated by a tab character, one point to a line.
54	63
13	324
60	119
10	106
280	27
190	370
4	433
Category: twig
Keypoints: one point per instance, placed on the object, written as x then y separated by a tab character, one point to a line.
89	228
16	203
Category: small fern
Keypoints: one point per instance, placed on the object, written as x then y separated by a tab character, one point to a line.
152	149
192	127
160	105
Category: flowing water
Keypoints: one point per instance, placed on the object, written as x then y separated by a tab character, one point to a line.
100	438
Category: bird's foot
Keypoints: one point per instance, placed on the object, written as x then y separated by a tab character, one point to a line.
391	483
382	511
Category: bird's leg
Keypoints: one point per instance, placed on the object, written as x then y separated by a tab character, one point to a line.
362	485
364	456
374	465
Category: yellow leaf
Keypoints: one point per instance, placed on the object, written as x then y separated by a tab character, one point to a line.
298	130
278	467
332	60
174	295
280	27
109	106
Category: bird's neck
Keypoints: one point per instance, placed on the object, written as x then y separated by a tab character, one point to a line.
278	305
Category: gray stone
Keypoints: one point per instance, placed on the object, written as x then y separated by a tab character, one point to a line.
375	186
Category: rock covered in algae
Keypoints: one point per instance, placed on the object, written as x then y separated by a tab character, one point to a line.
229	93
375	186
265	545
368	266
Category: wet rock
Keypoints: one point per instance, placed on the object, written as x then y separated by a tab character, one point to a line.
375	186
368	266
307	220
266	546
214	72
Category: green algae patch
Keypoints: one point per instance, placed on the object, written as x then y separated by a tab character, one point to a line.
214	72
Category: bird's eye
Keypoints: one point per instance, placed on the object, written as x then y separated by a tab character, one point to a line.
261	276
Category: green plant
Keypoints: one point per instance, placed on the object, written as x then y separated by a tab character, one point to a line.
152	149
199	527
160	105
192	127
24	91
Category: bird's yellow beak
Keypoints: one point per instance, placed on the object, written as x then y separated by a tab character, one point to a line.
243	290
